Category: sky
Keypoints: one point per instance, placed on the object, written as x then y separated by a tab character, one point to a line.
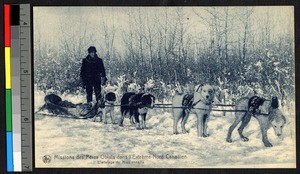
52	24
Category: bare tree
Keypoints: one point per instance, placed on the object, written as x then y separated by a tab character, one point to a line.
244	18
109	38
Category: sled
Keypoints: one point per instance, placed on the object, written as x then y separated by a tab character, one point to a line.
82	111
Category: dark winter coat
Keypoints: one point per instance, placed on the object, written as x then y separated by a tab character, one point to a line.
92	69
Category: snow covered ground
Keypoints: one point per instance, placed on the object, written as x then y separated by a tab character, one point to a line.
84	143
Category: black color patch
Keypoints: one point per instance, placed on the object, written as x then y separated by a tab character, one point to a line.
15	15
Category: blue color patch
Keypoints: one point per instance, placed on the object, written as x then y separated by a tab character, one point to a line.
9	152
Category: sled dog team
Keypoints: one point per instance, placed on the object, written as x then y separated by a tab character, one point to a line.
199	103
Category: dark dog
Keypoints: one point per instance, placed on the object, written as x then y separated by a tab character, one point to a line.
133	104
55	105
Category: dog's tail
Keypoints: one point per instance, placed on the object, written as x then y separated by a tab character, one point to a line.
274	102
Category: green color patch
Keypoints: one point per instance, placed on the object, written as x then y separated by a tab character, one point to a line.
8	110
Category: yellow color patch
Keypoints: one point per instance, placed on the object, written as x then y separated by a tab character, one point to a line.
7	68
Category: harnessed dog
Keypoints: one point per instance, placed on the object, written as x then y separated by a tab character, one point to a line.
107	107
185	104
134	105
255	106
55	105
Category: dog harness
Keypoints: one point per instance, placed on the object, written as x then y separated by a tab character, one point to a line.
135	104
254	103
101	103
187	101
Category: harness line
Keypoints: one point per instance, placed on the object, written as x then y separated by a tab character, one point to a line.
180	107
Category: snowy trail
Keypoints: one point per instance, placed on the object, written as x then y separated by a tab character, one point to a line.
109	145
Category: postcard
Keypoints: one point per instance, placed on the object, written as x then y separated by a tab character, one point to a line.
164	87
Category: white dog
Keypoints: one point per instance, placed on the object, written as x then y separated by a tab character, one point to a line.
199	103
254	106
108	108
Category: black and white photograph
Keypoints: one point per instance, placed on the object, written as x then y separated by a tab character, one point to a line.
164	87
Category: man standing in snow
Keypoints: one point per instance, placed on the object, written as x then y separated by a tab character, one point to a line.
92	74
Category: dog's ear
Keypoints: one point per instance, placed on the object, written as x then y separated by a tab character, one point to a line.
284	119
199	87
274	102
152	96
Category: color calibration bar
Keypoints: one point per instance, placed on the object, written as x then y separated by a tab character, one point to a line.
8	95
18	87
